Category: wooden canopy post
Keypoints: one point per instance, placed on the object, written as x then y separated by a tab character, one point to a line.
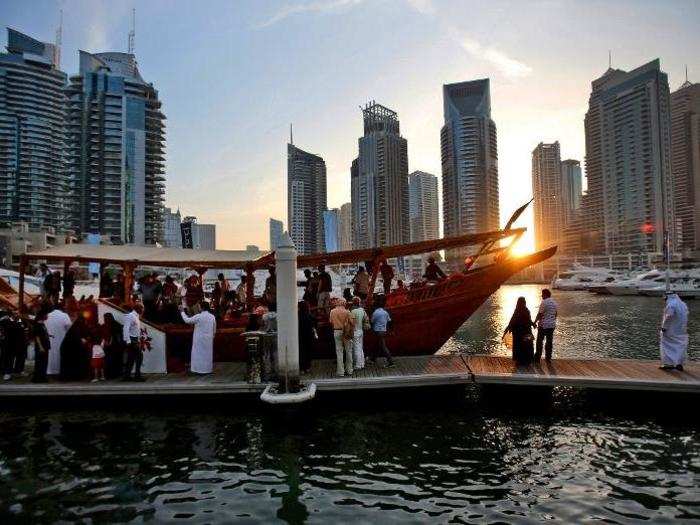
66	268
22	269
128	269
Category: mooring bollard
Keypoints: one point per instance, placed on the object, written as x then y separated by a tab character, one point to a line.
287	316
289	389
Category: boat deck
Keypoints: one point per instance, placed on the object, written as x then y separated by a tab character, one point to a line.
228	378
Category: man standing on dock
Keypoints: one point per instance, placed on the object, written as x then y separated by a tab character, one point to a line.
674	333
380	325
57	325
342	323
132	335
546	321
202	357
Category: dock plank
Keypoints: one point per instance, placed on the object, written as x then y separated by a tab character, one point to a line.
589	373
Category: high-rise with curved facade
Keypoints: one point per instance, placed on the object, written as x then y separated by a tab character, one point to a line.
469	161
306	199
32	171
116	150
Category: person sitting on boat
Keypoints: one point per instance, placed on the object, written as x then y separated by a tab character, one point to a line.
521	326
325	286
343	329
305	284
674	333
193	294
380	325
202	356
241	292
270	294
347	295
387	273
361	283
433	273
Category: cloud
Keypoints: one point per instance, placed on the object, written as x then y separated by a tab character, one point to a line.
309	7
508	66
425	7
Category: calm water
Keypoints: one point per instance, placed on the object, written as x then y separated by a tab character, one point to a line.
449	458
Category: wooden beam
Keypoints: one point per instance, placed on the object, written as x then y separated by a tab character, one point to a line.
128	269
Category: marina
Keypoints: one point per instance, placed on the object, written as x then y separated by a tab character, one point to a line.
409	372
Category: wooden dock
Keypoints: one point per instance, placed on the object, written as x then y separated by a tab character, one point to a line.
422	371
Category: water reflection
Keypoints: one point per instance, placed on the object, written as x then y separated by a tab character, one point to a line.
420	465
588	326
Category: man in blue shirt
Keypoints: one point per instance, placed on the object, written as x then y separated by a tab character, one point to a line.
380	320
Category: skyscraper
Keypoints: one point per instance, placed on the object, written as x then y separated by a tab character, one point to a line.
32	133
276	231
116	141
547	192
379	181
345	226
628	161
172	235
306	199
203	235
571	188
469	161
330	228
423	206
685	163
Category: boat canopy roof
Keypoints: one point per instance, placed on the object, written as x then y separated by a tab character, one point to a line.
249	259
150	256
399	250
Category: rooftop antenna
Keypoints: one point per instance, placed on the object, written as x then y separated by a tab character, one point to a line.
59	41
609	59
291	135
132	33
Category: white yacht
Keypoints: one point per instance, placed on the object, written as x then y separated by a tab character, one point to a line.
583	278
685	287
633	285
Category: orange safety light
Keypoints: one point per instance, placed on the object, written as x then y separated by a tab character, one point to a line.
648	228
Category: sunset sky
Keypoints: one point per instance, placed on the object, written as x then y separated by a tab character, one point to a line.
234	75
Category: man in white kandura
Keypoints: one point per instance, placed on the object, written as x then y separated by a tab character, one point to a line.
202	359
674	333
57	324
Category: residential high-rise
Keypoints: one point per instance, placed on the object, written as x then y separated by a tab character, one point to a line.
379	181
276	231
203	235
628	161
685	163
345	227
32	133
116	150
547	192
330	228
423	206
306	199
469	153
571	188
172	235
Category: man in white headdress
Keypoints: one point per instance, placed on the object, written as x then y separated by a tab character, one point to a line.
674	333
57	324
202	359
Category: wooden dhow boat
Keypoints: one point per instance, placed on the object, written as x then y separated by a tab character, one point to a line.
424	316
